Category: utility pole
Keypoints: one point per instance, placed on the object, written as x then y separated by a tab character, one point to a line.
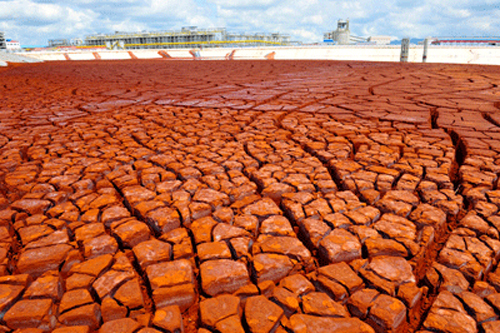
405	49
426	48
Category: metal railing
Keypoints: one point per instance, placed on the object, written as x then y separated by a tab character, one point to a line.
157	33
211	43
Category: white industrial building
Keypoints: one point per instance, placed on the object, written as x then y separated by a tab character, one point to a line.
187	37
12	45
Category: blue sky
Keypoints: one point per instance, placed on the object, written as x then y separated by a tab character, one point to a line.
33	22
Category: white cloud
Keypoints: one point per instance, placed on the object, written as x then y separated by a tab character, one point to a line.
315	19
28	11
303	34
244	3
36	21
127	26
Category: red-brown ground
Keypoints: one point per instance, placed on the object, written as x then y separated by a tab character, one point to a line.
249	196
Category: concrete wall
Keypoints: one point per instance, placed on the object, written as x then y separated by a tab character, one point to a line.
462	55
15	57
340	53
81	56
181	53
114	55
46	56
146	54
436	54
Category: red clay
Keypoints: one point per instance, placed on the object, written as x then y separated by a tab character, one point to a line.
249	196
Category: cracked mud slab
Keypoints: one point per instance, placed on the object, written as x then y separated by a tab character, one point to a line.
249	196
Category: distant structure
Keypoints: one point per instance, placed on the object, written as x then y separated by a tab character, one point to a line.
3	45
59	42
342	36
12	45
379	40
466	41
65	42
187	37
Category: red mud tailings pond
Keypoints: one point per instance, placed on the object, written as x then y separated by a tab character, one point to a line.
249	196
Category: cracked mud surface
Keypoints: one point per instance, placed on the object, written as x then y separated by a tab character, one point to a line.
249	196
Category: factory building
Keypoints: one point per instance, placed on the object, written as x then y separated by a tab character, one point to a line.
59	42
342	36
188	37
3	44
12	45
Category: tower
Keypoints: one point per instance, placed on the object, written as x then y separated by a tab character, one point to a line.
342	35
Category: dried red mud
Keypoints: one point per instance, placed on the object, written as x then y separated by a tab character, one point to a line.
250	196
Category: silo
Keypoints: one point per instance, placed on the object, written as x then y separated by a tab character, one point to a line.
342	35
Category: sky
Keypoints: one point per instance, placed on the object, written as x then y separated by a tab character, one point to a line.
34	22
